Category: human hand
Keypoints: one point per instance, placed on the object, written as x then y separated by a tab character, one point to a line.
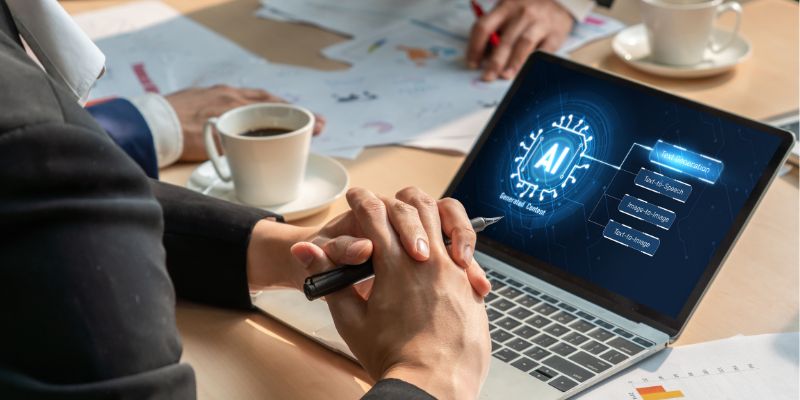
342	240
423	322
196	105
524	26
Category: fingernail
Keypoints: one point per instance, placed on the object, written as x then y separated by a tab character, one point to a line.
489	76
422	247
305	257
466	253
510	73
472	65
355	249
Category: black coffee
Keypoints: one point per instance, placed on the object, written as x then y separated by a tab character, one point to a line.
262	132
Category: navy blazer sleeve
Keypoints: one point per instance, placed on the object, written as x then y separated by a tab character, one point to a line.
129	130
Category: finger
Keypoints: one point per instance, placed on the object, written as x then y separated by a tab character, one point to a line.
456	225
525	45
477	279
364	288
319	124
370	213
343	224
552	43
308	255
408	226
348	310
347	306
223	105
482	30
428	214
260	95
499	58
347	250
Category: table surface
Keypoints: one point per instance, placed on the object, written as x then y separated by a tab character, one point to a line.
241	355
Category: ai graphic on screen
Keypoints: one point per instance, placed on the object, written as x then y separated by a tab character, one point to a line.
553	160
629	191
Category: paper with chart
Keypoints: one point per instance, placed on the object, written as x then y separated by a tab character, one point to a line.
739	368
359	18
407	84
366	105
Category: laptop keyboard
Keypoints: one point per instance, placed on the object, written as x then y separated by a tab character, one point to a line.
551	340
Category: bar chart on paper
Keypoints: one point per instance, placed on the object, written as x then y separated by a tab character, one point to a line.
723	382
740	368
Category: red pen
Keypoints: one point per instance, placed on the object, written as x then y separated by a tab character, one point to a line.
494	39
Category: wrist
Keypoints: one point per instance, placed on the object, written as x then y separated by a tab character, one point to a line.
443	382
269	261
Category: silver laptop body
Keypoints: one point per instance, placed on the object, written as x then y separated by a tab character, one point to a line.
549	340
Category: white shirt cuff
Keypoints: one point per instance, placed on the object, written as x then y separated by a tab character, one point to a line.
579	9
164	126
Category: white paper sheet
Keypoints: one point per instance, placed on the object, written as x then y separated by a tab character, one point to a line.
408	78
742	367
351	17
392	99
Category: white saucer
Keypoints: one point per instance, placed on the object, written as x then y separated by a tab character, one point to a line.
632	47
326	180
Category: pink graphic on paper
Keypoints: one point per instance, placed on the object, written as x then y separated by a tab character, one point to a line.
144	79
594	21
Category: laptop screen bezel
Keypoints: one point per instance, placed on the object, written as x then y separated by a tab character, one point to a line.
583	288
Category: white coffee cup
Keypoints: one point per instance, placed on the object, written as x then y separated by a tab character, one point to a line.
266	170
680	31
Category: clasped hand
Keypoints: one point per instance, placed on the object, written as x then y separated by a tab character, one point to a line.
422	318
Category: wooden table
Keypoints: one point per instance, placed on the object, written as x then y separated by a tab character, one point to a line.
248	355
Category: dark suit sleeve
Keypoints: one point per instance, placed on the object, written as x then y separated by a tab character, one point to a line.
206	241
391	389
88	306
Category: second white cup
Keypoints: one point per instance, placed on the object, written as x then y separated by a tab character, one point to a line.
680	31
266	146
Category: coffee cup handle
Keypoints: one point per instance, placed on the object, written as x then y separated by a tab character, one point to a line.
213	152
721	9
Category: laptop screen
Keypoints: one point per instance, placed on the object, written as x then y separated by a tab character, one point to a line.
625	193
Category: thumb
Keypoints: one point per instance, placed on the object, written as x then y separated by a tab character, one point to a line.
312	257
347	306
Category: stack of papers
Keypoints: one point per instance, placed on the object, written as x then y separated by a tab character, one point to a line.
407	84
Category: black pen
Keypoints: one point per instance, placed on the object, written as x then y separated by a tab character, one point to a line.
337	279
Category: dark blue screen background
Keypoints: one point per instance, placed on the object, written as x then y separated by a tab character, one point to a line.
569	235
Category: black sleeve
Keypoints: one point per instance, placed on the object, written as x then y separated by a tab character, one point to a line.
87	304
206	241
395	389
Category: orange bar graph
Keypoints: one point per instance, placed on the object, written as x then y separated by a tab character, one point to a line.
658	393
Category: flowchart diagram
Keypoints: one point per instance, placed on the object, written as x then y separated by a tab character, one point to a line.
551	159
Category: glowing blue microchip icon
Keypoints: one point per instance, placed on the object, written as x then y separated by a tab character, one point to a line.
550	162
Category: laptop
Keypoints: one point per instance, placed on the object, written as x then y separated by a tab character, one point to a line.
621	203
789	121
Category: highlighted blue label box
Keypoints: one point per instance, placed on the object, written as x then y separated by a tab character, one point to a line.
629	237
688	162
664	185
640	209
